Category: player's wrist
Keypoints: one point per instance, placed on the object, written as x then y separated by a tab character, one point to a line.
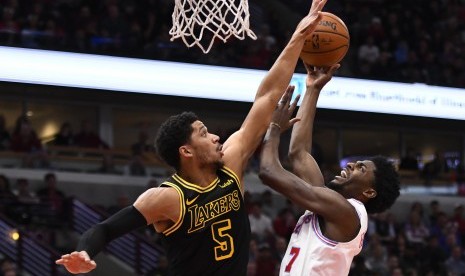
275	125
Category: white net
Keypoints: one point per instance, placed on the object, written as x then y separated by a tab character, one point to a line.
194	20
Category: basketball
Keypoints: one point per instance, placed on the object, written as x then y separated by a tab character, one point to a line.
328	44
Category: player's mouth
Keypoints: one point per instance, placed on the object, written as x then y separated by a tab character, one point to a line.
344	174
219	148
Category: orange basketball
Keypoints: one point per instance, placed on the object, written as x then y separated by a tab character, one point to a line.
328	44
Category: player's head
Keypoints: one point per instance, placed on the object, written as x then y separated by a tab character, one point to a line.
184	136
375	182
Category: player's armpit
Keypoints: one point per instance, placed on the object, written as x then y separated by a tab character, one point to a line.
159	204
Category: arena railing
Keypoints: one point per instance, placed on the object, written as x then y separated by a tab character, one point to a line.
29	254
134	249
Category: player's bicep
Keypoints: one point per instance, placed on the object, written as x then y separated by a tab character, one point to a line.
158	204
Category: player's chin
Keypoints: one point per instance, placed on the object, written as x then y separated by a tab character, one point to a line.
335	184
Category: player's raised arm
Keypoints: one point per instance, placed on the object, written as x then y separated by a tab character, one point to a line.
332	206
303	163
240	146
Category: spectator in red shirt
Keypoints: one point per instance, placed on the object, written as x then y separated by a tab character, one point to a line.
87	138
24	138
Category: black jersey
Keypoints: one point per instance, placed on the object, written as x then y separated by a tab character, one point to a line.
212	234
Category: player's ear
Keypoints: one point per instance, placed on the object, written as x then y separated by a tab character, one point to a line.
185	151
370	193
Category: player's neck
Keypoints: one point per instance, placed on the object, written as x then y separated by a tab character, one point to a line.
198	176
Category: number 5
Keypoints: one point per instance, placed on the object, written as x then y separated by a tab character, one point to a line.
225	249
294	252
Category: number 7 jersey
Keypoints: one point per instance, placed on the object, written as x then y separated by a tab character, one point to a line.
310	253
212	234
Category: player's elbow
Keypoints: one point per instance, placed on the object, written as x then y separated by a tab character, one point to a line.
266	174
295	156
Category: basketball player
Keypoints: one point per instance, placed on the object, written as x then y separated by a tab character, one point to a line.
330	233
199	210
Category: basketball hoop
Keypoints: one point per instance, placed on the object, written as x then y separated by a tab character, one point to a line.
196	19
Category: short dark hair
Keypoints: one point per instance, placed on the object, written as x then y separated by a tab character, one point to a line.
173	133
386	184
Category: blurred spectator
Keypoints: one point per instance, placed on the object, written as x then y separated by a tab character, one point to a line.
376	256
280	248
435	209
65	137
268	207
419	50
23	193
369	52
24	138
53	197
358	267
446	232
6	195
108	165
87	138
385	228
8	267
136	167
284	223
416	231
4	135
433	257
409	161
260	224
459	219
434	168
142	145
266	263
456	264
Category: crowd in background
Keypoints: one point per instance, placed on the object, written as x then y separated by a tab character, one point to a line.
429	241
405	41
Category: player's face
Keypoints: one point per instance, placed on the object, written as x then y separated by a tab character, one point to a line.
354	179
206	146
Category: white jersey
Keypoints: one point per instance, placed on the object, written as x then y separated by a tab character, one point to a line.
310	253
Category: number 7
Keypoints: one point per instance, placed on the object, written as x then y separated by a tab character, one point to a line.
294	252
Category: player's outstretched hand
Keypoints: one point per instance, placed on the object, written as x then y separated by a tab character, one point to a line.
77	262
283	112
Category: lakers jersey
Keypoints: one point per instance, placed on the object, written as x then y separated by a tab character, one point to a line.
310	253
212	234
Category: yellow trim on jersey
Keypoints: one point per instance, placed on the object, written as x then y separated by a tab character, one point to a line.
182	212
195	187
230	172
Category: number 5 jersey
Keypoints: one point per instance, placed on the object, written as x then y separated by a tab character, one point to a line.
212	234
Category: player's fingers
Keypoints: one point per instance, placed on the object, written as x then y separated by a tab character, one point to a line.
294	104
334	68
293	121
60	261
74	254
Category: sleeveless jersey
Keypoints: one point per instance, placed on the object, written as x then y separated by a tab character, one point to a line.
212	234
311	253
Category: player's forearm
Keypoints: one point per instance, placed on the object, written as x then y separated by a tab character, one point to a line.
302	132
269	156
280	74
97	237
